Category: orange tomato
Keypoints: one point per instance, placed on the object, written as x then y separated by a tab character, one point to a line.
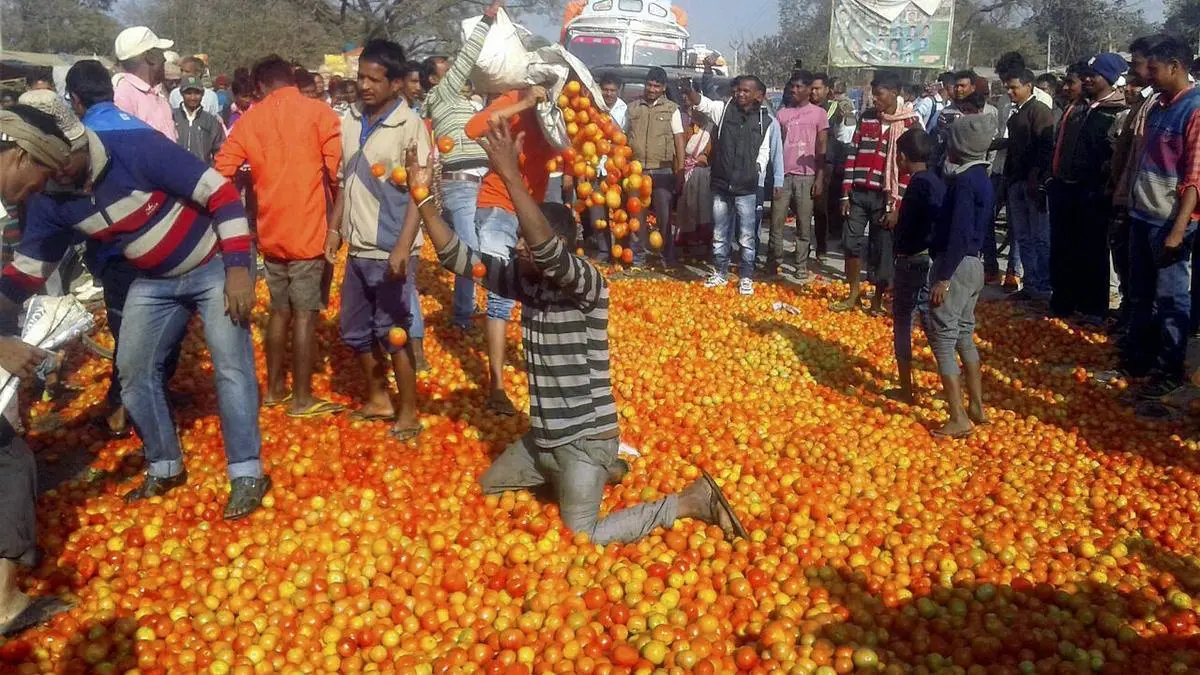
445	144
378	170
397	337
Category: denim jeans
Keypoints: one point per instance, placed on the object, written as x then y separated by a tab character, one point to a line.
1031	230
911	275
950	326
578	473
730	211
990	253
116	277
458	209
1160	301
157	312
497	237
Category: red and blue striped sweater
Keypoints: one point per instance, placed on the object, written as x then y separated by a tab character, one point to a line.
166	210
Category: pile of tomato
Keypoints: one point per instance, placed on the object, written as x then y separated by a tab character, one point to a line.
1058	539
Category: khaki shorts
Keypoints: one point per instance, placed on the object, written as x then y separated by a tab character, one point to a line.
298	285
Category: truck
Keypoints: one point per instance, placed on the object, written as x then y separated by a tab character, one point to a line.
630	33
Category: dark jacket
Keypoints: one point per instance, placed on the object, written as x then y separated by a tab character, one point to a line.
1090	157
736	147
201	136
1030	141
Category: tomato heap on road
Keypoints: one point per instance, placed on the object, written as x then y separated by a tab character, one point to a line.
1056	540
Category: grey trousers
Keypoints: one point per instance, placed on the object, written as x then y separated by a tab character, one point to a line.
797	193
950	326
18	490
578	472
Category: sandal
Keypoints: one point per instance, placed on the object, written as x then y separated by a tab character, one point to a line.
277	402
317	409
406	434
844	306
938	433
360	416
39	611
735	525
246	496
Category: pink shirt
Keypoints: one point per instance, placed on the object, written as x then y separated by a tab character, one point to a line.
132	95
800	126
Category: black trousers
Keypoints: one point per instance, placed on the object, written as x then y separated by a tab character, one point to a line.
1079	222
18	490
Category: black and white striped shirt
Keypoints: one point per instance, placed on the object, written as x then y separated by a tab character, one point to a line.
564	322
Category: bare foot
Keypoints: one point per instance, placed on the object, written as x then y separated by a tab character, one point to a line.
976	414
953	429
372	410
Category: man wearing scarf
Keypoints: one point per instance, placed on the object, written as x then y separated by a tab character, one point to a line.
872	189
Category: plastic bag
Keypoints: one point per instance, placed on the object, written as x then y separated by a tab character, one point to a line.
50	322
552	66
504	59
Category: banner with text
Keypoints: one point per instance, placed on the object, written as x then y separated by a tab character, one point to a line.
891	33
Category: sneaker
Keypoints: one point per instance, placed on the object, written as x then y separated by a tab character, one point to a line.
715	280
746	287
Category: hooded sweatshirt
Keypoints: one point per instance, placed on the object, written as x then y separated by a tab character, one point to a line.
1091	155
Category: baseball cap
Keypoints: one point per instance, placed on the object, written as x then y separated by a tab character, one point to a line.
52	104
1108	65
191	83
171	71
138	40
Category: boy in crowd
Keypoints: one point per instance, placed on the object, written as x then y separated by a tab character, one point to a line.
292	144
574	436
1163	213
374	217
1078	203
656	136
496	217
805	130
872	189
200	132
956	277
1028	150
182	225
921	206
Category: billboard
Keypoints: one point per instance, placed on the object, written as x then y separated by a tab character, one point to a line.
891	33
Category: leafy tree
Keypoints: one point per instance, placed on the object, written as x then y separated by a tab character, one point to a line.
803	34
59	26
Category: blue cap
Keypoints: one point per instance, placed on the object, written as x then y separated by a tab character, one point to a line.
1110	66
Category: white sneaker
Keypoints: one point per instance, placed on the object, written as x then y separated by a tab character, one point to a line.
717	279
746	287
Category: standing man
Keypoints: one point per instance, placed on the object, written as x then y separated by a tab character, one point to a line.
192	67
1064	191
1029	149
138	88
183	227
32	150
656	136
377	221
200	132
1163	212
805	129
463	168
293	147
741	148
840	113
872	189
496	217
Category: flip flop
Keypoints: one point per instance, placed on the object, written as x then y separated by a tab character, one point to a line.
938	433
39	611
406	434
360	416
277	402
738	529
317	409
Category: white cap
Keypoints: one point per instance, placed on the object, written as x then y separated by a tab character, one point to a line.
137	41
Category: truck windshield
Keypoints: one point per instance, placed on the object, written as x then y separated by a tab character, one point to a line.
646	53
596	51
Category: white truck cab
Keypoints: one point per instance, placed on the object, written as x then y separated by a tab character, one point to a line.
625	32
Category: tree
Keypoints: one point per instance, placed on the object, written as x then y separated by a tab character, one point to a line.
803	34
1183	19
1079	29
58	26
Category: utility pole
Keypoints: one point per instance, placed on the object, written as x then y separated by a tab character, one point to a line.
1049	37
970	41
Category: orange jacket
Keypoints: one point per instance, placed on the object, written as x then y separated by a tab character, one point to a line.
538	152
293	146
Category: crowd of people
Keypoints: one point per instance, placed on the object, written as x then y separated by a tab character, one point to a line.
178	193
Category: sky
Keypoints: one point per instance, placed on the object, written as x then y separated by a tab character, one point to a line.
717	22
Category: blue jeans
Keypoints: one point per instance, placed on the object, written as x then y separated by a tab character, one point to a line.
497	237
458	209
728	211
1160	301
157	312
1031	230
417	332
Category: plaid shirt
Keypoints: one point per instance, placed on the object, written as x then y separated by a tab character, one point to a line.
867	161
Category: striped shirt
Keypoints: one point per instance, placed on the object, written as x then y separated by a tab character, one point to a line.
1170	159
564	324
866	164
166	210
450	109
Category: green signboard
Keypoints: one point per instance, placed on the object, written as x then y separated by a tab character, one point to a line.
891	33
